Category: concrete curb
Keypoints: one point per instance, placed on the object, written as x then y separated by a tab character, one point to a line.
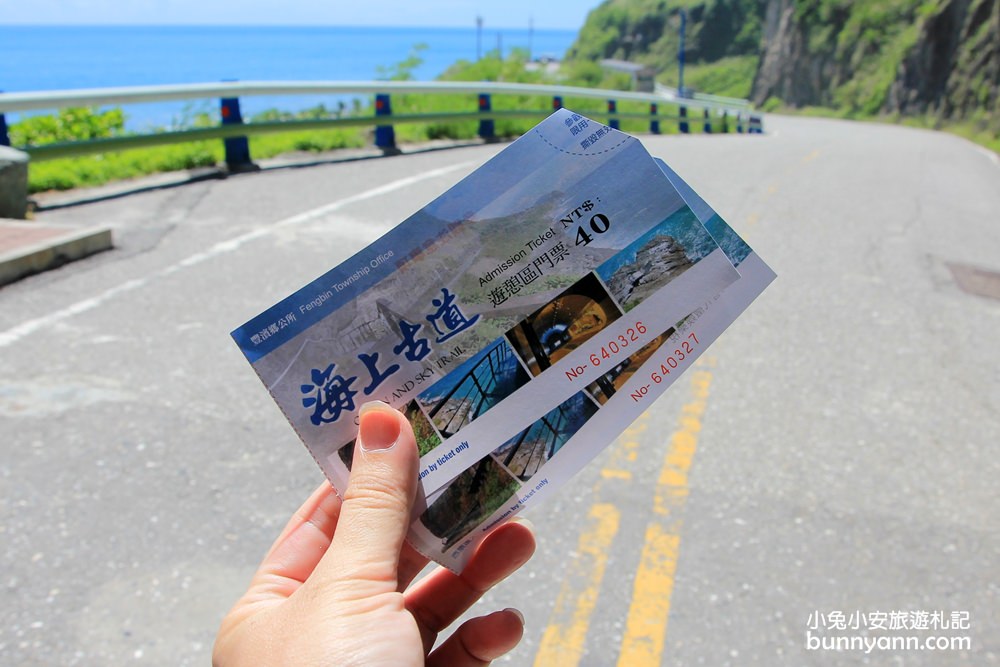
13	183
35	247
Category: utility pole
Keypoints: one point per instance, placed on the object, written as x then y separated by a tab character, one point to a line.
680	55
479	38
531	34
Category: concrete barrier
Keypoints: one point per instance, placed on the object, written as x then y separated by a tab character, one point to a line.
13	183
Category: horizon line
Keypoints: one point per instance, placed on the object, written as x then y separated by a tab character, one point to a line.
95	24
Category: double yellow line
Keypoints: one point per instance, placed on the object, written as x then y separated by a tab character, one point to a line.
563	641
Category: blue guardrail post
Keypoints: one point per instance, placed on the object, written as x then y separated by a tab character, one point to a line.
4	137
654	123
725	122
237	148
612	109
385	135
707	122
682	124
739	122
487	128
557	103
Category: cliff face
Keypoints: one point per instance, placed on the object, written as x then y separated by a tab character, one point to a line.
659	261
787	69
865	57
955	67
940	57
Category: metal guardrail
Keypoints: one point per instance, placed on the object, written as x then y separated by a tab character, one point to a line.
705	98
136	94
234	131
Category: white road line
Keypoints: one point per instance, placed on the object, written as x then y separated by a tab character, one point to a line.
990	155
14	334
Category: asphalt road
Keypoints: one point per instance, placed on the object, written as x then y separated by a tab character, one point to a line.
835	453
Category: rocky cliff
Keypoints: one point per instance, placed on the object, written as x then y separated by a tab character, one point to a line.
862	57
954	68
940	56
660	260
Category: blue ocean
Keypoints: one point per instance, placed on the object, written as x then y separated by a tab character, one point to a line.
60	57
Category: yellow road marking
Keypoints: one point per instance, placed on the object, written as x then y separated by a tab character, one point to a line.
563	641
565	636
646	625
647	619
812	156
752	219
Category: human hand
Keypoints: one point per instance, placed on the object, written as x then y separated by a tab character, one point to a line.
334	589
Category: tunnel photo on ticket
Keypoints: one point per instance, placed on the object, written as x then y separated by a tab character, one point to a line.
525	454
611	382
563	324
472	388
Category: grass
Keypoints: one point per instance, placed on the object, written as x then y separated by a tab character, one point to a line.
977	129
730	77
92	170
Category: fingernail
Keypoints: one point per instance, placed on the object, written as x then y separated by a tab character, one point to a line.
519	615
378	434
524	522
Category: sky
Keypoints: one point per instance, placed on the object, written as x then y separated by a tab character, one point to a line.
561	14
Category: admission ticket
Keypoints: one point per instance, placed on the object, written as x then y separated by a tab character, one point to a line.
504	318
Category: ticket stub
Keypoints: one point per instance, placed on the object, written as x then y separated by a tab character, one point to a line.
532	292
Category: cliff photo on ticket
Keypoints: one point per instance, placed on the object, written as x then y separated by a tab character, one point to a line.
477	314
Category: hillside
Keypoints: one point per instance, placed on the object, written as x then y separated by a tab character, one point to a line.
646	31
937	59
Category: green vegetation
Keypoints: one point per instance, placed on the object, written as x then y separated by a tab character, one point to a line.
92	170
647	31
731	76
68	125
88	123
427	438
511	69
866	41
471	497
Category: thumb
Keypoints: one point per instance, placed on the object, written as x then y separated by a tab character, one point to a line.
376	511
